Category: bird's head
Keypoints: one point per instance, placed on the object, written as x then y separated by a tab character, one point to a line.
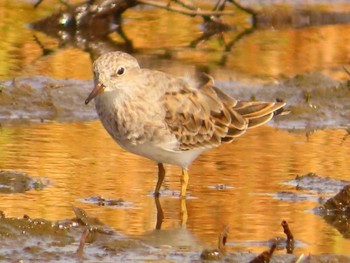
109	71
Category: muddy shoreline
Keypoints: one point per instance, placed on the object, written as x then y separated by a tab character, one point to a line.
314	100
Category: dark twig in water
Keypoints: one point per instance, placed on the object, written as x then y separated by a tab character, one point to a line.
46	51
230	45
83	239
346	70
160	213
213	26
290	238
38	3
216	254
265	256
345	136
245	9
220	5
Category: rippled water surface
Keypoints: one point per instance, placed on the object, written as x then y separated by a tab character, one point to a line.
238	184
81	161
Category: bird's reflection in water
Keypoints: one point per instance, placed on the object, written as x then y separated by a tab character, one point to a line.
160	213
175	237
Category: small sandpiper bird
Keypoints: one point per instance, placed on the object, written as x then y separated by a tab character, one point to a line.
166	118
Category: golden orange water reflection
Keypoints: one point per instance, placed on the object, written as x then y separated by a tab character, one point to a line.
267	54
81	160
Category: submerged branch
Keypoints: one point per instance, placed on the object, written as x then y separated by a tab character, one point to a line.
83	239
290	237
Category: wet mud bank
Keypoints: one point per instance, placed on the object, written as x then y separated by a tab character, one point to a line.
314	100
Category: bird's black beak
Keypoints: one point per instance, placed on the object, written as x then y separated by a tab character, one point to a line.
99	88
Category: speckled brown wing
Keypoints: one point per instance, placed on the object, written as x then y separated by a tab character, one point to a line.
207	117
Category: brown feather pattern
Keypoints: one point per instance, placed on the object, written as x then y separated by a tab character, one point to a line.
207	117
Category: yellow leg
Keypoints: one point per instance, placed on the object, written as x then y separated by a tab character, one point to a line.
183	213
161	175
184	182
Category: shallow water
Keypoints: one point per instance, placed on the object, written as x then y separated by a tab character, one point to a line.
241	184
81	161
266	54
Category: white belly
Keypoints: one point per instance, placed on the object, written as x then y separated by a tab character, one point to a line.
160	155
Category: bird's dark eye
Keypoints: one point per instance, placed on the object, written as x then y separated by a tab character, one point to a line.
120	70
